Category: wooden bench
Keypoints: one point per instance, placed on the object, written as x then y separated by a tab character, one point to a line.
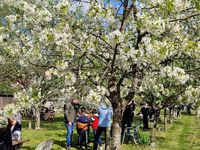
133	135
45	145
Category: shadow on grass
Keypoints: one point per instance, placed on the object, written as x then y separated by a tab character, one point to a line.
26	148
177	122
160	139
60	143
187	114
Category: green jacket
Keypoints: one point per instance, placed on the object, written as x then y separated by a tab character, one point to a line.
70	113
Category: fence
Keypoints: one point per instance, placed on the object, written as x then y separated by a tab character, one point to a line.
5	100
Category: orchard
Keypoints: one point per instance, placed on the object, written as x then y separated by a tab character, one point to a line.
101	50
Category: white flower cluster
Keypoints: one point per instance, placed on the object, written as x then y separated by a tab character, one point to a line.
44	15
70	78
192	94
11	109
150	83
62	6
116	37
153	24
95	95
11	18
96	11
175	73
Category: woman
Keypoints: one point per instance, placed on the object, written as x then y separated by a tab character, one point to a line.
105	114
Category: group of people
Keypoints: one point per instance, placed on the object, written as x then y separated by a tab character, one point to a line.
10	132
97	120
47	113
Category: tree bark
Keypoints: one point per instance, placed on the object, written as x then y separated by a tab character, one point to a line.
153	134
29	124
165	119
170	116
116	136
116	126
108	139
37	118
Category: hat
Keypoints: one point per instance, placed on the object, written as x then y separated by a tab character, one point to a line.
3	121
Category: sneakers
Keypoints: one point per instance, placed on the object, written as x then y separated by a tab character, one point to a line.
100	148
68	147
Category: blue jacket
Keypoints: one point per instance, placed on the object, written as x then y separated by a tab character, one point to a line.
105	116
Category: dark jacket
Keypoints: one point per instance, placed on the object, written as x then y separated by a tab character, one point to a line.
128	113
5	139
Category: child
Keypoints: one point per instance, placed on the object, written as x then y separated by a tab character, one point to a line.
83	122
95	125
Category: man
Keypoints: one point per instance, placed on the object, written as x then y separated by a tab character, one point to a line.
69	118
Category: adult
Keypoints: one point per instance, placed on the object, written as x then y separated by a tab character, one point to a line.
105	114
128	115
145	112
69	118
16	130
5	134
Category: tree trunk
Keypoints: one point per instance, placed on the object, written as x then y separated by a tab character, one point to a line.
153	134
108	139
116	129
165	119
37	118
170	116
174	114
29	124
116	136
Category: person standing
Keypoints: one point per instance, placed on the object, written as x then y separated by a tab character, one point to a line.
145	114
105	114
128	115
5	133
16	131
83	123
69	118
95	116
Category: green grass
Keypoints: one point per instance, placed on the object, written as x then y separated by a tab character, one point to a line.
183	134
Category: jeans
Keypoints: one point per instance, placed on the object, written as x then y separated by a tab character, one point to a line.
99	140
69	133
97	136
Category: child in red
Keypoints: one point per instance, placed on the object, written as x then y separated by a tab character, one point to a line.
95	116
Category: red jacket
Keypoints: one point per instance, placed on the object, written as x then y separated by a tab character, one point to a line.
95	122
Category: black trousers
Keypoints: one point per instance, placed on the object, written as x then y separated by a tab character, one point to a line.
145	123
97	136
126	124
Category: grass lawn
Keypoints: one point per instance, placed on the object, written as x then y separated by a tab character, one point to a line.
183	134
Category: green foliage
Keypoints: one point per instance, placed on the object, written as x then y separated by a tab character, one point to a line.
6	89
196	3
145	138
169	5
